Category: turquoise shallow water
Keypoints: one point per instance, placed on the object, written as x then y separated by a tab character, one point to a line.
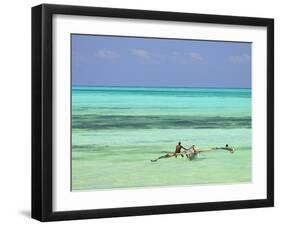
116	131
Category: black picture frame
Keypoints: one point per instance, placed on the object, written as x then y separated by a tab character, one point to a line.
42	111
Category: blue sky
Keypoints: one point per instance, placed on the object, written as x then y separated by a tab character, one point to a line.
152	62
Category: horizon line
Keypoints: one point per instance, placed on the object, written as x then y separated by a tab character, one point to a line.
197	87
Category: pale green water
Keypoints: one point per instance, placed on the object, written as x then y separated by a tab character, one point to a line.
116	131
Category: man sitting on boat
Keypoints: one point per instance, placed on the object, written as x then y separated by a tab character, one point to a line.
231	150
179	147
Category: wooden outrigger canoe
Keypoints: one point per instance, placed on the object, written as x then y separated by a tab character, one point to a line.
190	154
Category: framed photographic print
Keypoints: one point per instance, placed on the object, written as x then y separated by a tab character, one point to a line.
145	112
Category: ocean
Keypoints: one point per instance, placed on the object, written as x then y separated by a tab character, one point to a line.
116	131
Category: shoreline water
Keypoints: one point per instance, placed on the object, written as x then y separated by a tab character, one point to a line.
114	136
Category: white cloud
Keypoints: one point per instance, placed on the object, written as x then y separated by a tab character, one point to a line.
247	57
240	59
106	54
196	56
186	57
177	57
141	53
175	53
146	57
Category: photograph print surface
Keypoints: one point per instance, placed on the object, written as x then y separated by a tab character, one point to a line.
155	112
